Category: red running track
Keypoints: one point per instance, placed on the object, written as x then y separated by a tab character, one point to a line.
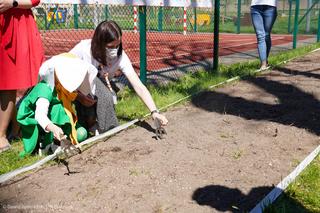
164	50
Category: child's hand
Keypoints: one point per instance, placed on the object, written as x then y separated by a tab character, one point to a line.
57	131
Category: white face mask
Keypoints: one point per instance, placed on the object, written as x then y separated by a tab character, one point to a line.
112	53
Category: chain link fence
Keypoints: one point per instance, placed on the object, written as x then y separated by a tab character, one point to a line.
179	40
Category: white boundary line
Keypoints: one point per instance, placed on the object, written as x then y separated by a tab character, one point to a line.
7	176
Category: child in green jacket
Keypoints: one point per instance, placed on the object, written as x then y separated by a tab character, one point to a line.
47	111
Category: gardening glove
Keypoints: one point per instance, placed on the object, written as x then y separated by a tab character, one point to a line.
57	131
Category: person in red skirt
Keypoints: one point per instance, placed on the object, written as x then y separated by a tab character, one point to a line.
21	55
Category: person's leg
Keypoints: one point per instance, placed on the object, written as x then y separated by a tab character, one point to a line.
269	17
15	132
15	128
7	104
257	21
106	115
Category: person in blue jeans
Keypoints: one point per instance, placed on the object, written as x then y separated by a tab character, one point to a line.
263	15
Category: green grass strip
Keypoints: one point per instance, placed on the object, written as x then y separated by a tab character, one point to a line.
130	106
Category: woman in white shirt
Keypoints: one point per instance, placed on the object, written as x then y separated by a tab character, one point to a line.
263	15
105	52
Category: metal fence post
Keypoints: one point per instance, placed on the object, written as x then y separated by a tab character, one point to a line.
238	16
75	16
308	19
318	34
46	21
106	12
225	8
143	43
296	25
160	18
290	14
216	35
195	20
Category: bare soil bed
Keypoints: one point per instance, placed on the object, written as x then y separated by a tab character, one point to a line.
223	153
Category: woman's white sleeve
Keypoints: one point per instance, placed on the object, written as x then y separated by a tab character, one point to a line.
76	50
41	113
125	65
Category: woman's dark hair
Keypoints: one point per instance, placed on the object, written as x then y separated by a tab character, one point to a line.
106	32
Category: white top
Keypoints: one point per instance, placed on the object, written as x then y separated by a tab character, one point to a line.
83	51
41	113
264	2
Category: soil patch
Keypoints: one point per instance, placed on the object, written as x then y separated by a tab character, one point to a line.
225	150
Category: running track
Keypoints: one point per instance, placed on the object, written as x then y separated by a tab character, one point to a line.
164	50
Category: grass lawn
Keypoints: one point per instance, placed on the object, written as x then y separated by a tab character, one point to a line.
10	160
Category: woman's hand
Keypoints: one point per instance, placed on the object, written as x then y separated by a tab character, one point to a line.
85	100
163	120
5	5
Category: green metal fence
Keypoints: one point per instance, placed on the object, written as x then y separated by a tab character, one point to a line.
161	50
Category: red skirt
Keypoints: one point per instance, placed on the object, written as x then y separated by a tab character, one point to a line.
21	50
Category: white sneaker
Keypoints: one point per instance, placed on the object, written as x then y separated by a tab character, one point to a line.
264	68
96	132
43	151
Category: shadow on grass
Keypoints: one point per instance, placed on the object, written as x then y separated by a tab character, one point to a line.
225	199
